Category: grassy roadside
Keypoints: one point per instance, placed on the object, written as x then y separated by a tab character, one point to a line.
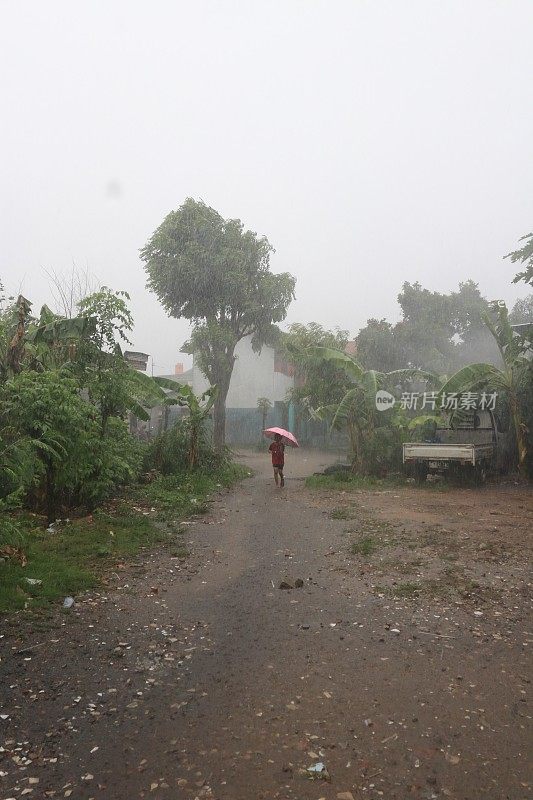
77	555
347	481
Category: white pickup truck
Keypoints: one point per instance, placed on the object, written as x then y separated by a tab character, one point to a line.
474	447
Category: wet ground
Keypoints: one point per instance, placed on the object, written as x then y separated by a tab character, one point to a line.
402	664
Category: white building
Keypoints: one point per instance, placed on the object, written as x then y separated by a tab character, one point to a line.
255	375
265	374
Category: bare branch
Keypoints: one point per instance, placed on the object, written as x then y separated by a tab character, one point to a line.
68	290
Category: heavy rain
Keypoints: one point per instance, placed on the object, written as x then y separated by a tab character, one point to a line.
266	400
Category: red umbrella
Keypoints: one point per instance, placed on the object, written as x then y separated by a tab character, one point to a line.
287	436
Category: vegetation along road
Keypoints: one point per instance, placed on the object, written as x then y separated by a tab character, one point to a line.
395	663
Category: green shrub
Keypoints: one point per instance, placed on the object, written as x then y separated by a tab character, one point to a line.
63	460
168	453
184	493
111	461
382	453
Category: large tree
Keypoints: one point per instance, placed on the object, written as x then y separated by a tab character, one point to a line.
216	274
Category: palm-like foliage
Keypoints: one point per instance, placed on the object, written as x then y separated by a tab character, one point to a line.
263	406
46	342
357	410
510	379
198	408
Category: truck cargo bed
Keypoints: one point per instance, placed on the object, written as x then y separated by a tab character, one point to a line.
460	453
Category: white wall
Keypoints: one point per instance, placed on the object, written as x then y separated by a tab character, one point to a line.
253	377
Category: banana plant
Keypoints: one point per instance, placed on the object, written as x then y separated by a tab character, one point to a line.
199	409
46	342
52	341
513	378
144	392
13	326
357	409
263	406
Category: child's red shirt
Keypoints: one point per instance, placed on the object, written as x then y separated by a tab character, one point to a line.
278	454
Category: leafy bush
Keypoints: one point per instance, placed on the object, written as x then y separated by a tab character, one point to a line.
168	453
65	390
111	462
382	453
63	460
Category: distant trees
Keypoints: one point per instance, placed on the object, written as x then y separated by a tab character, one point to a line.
438	332
380	345
68	290
216	274
459	334
522	310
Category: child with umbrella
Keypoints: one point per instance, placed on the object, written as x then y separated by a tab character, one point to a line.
277	449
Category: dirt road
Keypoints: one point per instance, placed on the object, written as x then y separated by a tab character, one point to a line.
402	664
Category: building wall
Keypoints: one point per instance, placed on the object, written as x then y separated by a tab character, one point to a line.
253	377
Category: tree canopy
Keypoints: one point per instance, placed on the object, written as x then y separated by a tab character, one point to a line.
317	383
437	331
522	310
213	272
524	256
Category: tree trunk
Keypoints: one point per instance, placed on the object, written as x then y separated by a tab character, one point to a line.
355	446
519	431
193	445
219	407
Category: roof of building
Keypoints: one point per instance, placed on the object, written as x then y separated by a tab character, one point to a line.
182	377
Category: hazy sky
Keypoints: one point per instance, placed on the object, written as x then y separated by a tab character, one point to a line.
372	143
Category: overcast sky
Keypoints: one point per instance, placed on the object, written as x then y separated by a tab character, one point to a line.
372	142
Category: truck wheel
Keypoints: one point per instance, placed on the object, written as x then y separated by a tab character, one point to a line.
421	473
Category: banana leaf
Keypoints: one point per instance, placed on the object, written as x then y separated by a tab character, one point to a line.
339	359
